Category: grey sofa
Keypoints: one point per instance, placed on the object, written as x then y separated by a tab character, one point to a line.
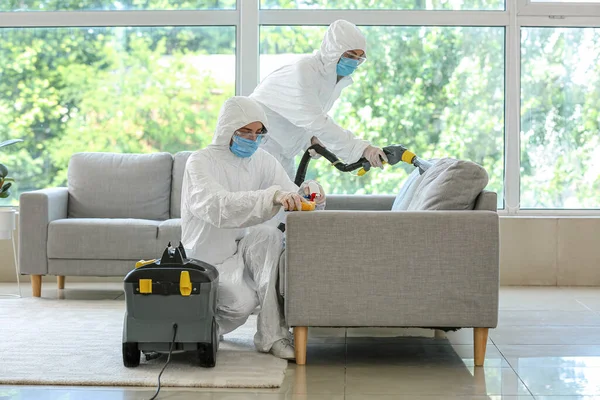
364	266
118	209
357	264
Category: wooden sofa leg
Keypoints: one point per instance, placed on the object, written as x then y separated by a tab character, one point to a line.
61	281
480	336
36	285
300	339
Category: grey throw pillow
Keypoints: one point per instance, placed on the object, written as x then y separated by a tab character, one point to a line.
449	185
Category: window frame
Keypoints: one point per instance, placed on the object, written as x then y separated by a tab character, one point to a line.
557	10
248	17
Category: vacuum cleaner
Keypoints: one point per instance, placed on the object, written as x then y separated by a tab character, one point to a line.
171	306
395	153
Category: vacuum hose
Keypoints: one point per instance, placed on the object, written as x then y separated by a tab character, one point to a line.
395	154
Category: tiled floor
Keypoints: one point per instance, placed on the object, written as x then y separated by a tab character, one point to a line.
547	346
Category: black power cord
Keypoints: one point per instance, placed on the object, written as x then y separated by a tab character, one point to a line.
167	363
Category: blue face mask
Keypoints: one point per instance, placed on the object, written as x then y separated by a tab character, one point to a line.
244	148
346	66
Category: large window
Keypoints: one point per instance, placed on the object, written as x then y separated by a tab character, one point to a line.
437	90
513	85
76	5
140	90
560	123
386	4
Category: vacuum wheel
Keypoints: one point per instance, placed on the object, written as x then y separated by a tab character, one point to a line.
131	355
207	352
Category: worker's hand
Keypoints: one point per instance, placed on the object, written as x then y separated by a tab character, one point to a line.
313	154
375	155
309	187
289	200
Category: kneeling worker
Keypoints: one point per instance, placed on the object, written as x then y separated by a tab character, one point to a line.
230	189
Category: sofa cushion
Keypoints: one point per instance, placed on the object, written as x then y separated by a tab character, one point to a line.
179	162
109	185
449	185
104	239
169	231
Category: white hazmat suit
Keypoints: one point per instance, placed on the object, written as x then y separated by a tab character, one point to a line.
225	201
298	97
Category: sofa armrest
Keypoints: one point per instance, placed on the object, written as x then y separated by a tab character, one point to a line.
408	269
37	209
486	201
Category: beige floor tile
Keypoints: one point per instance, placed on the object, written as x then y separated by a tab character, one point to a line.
581	291
548	318
435	380
538	299
547	335
553	356
561	381
578	251
464	336
531	264
33	393
73	290
442	355
325	354
389	332
314	380
434	397
566	397
590	303
141	394
326	335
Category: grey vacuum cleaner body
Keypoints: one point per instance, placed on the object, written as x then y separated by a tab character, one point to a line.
171	300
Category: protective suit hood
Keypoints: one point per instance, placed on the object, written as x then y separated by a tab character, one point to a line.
340	37
236	113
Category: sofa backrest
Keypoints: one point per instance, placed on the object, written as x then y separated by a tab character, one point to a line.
340	202
179	161
111	185
486	201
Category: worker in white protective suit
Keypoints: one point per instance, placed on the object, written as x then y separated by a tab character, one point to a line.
297	98
230	189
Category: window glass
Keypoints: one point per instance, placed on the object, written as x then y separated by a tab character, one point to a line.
437	90
560	118
134	90
386	4
77	5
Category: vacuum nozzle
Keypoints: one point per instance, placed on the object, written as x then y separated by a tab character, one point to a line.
396	153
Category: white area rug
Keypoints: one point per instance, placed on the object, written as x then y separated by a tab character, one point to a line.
77	342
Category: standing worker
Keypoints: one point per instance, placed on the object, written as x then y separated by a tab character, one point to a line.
297	98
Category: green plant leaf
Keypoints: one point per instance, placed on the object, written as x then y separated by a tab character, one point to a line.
9	180
6	186
4	195
3	171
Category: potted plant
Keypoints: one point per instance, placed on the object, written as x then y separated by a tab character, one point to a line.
7	215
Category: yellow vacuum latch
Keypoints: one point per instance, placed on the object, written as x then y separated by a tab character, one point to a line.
185	284
146	286
142	263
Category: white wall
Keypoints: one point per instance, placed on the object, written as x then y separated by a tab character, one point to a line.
547	251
